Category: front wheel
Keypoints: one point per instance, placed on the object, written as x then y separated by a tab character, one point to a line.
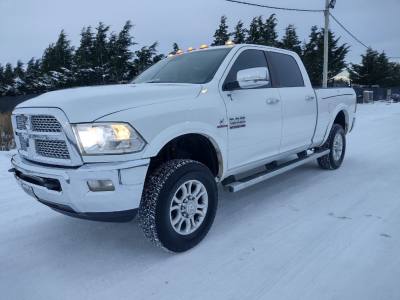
336	143
178	205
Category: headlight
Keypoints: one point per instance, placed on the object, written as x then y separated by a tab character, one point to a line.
107	138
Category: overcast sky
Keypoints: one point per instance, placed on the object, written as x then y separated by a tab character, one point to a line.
28	26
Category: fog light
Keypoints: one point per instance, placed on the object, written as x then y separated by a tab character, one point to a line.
100	185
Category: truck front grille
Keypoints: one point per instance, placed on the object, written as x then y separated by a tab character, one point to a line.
45	123
42	138
52	149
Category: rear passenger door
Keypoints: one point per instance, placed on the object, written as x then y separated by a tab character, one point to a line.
299	106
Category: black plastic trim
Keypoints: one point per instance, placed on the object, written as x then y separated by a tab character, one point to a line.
115	217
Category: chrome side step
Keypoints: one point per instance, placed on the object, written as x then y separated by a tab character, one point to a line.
267	174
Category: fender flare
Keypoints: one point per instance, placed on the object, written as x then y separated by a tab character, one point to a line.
168	134
334	114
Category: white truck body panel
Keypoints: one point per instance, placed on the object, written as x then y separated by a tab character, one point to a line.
247	128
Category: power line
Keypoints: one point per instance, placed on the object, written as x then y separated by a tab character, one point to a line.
307	10
276	7
348	31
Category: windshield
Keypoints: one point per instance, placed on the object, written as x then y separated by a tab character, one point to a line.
193	67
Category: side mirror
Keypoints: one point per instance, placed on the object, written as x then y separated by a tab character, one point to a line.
253	78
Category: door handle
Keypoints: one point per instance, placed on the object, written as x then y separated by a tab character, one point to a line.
271	101
310	98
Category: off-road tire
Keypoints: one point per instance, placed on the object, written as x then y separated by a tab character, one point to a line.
328	162
154	209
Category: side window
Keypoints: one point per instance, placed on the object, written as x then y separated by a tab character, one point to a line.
285	69
247	59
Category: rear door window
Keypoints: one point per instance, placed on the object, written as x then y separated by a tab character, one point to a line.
285	70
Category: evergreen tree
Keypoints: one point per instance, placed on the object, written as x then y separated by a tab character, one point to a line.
221	35
64	52
101	58
290	40
374	69
2	85
239	34
121	54
57	63
8	80
49	62
19	80
175	48
255	31
33	76
313	53
144	58
312	56
84	59
394	79
268	32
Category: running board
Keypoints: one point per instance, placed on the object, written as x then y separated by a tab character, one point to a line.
267	174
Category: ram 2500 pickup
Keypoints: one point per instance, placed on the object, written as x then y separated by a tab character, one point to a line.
159	146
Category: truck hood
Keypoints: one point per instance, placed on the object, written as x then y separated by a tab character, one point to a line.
91	103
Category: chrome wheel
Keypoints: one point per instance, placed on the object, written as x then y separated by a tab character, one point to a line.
337	148
188	207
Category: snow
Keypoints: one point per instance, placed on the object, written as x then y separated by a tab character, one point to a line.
307	234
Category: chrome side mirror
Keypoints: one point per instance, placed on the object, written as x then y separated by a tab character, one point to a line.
253	78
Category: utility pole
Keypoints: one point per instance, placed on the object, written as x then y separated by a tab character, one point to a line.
326	35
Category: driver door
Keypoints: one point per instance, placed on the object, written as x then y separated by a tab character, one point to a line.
254	111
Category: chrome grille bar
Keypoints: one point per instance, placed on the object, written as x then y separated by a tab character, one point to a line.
45	137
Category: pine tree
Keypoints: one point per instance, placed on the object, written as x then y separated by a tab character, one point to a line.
175	48
84	59
19	80
49	62
312	56
394	79
101	58
239	34
313	53
290	40
33	76
374	69
268	32
2	85
8	79
144	58
255	31
57	63
121	54
221	35
64	52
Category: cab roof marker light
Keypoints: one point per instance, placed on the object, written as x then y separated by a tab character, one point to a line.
191	49
179	52
229	43
204	46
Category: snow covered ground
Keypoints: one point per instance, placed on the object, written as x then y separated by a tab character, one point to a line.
307	234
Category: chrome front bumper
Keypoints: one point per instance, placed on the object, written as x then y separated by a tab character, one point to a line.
66	189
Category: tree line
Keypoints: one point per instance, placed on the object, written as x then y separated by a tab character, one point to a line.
105	57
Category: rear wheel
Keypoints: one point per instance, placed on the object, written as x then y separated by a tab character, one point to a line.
178	205
336	143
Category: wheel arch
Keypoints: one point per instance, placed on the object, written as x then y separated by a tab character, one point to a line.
341	117
197	145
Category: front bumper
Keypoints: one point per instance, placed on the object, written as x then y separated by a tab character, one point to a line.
66	189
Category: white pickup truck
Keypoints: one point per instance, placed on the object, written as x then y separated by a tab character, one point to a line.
232	115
